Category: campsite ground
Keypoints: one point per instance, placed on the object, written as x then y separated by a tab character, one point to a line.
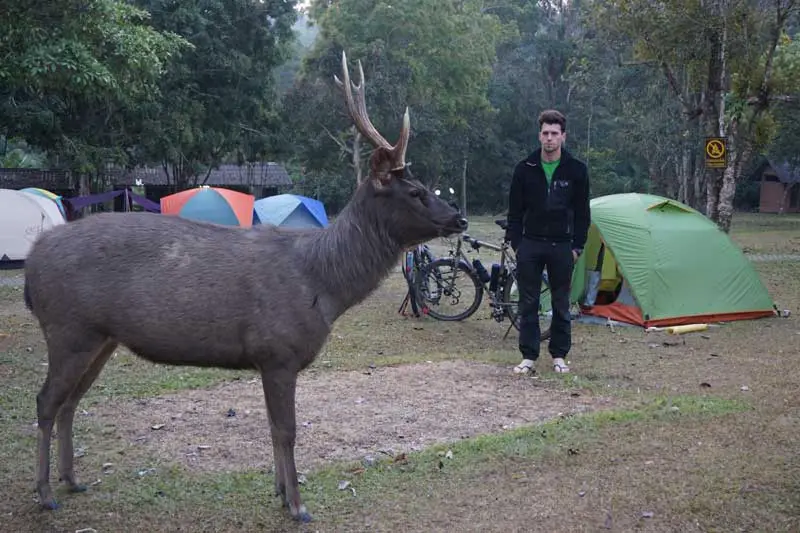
650	432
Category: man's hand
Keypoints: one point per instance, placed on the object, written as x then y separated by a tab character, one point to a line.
574	256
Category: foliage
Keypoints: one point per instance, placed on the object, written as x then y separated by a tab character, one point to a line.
218	100
433	56
189	85
62	58
16	153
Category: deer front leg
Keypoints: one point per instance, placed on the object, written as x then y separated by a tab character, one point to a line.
279	392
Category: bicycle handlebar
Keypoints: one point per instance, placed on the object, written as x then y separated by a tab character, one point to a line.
477	244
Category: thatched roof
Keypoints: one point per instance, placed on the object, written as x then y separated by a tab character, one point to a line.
248	174
19	178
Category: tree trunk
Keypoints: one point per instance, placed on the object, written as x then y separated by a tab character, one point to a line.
729	181
698	182
685	172
464	185
713	187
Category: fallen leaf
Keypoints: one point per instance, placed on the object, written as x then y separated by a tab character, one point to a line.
157	426
744	388
705	384
343	484
647	514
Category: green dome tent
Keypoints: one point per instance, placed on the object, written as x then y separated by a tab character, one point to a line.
653	261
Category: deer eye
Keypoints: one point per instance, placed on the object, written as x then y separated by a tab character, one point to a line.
416	193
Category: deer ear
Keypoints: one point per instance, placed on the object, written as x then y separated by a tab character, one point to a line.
380	166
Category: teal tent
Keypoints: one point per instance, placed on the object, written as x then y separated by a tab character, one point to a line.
290	210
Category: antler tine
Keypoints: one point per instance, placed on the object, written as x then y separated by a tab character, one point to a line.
402	142
357	106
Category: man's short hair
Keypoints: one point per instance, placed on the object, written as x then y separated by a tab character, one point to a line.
551	116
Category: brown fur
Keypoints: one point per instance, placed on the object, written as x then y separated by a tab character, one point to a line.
181	292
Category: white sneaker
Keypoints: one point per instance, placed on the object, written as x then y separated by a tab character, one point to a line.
560	366
525	367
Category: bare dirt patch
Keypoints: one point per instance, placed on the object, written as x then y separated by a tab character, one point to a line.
340	415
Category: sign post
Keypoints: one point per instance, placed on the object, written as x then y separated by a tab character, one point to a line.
716	152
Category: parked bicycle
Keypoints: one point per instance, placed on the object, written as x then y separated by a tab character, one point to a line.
414	262
438	285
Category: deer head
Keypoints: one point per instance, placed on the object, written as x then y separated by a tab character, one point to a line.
412	212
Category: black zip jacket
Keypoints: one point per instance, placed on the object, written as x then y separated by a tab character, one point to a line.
558	214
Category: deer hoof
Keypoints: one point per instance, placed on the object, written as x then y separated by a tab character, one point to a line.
46	499
49	504
77	487
304	517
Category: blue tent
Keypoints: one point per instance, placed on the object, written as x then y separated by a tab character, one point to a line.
290	210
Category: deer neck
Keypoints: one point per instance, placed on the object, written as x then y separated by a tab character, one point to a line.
351	257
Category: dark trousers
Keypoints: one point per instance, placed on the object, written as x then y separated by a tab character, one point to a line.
532	257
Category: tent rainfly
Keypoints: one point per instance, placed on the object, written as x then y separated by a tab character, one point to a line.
23	216
652	261
290	210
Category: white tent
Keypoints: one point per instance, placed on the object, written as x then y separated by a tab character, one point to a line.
23	216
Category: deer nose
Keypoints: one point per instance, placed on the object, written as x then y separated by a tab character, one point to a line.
462	223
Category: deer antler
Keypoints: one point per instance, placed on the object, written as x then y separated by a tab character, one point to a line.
358	112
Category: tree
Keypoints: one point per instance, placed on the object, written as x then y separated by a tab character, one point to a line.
433	55
726	49
63	58
219	101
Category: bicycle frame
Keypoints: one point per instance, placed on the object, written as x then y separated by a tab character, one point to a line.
507	267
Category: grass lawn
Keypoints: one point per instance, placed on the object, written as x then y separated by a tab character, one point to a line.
432	432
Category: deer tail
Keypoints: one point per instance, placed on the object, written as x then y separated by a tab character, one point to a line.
26	294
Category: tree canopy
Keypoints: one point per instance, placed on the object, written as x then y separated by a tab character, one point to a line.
186	86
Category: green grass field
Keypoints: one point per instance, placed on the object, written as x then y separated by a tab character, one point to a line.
431	430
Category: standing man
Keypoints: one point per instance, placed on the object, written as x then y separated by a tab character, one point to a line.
548	220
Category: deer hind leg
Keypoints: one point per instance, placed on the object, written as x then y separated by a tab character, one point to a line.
66	416
279	392
70	356
280	476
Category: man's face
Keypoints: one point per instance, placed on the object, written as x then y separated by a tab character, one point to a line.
551	137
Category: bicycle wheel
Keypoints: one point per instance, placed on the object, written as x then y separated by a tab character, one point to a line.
444	283
511	304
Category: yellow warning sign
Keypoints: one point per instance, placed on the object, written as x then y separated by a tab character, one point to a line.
716	153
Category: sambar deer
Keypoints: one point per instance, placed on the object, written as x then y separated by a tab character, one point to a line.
182	292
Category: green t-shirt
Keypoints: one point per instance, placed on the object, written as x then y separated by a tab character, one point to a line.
549	167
